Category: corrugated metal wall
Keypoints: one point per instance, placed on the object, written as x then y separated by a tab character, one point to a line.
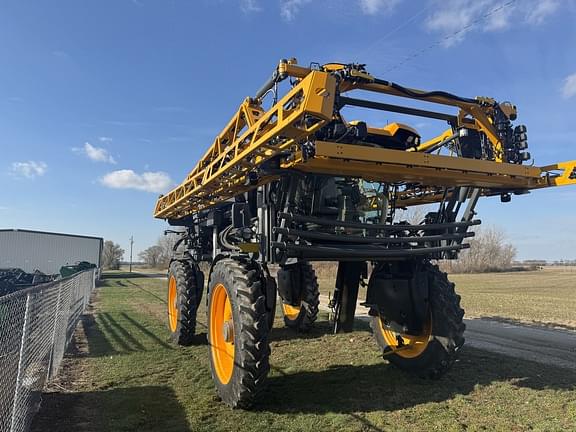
46	252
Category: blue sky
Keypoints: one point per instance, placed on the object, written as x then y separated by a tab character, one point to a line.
104	104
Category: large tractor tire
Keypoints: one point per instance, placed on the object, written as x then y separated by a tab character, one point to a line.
271	309
431	354
185	286
238	331
301	317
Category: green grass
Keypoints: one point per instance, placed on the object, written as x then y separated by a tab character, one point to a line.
131	379
545	297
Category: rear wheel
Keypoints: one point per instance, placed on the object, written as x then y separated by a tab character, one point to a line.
433	352
238	331
301	316
271	308
185	285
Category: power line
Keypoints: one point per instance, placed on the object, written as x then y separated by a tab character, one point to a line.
131	244
396	29
450	36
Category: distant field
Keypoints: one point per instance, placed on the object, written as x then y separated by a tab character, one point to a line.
124	376
546	297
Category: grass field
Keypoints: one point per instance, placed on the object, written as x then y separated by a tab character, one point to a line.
545	297
122	375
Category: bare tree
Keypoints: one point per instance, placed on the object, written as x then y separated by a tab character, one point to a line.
415	215
159	255
166	243
412	215
489	251
112	254
151	256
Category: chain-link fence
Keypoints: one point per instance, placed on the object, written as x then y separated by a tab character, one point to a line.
36	325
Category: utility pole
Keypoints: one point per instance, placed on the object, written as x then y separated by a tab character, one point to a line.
131	243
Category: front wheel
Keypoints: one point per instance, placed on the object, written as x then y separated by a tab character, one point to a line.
238	331
432	353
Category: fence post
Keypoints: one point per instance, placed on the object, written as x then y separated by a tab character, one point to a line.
51	359
90	281
20	361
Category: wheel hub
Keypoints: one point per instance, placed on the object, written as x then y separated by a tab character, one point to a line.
407	346
228	331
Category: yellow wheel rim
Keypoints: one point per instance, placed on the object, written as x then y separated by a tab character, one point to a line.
407	346
221	334
172	304
291	312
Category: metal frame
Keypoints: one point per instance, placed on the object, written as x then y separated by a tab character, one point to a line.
255	141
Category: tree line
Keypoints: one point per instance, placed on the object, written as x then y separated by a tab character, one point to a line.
489	252
158	255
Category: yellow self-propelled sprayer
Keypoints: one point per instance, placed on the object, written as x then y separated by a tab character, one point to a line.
298	182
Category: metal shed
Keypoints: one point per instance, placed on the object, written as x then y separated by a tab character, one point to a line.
46	251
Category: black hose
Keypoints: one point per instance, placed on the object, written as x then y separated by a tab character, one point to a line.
420	95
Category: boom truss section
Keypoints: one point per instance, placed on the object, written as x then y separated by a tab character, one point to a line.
250	139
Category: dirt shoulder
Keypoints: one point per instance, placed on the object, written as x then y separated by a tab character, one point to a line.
64	400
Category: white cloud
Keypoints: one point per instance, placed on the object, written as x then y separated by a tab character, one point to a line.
569	87
30	169
541	10
158	182
456	18
289	8
373	7
105	139
449	16
248	6
496	18
97	154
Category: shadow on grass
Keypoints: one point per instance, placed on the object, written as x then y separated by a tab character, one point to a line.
98	343
352	389
281	333
119	332
157	340
113	334
98	411
157	297
321	328
123	275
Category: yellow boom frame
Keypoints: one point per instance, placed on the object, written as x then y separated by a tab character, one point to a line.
236	161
